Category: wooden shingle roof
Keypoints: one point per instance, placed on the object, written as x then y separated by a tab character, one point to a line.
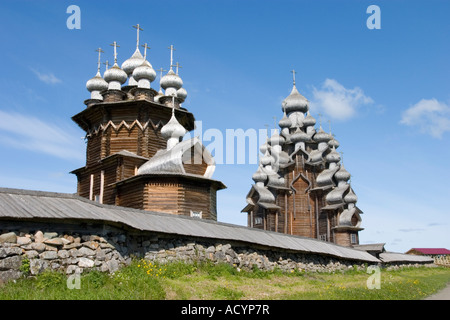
27	205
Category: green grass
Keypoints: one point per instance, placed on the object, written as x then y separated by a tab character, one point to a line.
183	281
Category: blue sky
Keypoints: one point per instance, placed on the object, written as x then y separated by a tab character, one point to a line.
385	92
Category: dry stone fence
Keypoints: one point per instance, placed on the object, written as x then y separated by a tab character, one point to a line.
31	253
65	233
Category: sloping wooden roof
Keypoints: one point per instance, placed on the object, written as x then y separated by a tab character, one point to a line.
375	247
390	257
28	205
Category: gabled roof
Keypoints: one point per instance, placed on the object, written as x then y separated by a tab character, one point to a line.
172	160
124	153
428	251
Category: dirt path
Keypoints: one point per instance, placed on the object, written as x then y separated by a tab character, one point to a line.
444	294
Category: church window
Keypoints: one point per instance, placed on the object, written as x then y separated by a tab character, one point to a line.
196	214
258	220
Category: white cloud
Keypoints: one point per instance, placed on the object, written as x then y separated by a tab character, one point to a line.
30	133
48	78
430	116
338	102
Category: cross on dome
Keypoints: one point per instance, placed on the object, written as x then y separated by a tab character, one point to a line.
320	119
178	66
100	51
106	63
137	27
172	49
293	75
161	70
115	45
145	46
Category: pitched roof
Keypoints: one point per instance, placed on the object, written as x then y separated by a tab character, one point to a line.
29	205
390	257
19	204
173	160
429	251
378	247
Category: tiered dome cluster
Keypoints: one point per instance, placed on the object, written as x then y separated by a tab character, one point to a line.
139	73
299	136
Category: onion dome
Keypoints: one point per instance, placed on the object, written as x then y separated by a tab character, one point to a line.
182	94
333	143
285	122
263	147
351	197
333	156
309	120
115	77
299	136
144	74
172	131
276	140
171	82
342	174
259	175
267	159
132	63
295	102
96	85
322	136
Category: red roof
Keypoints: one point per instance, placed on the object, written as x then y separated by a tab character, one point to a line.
431	250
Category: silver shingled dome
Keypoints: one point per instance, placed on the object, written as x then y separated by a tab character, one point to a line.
259	175
144	71
172	129
182	94
299	136
295	102
97	83
322	136
133	62
351	197
171	80
342	174
115	74
309	120
333	156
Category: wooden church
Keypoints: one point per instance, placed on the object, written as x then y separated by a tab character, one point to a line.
301	186
135	156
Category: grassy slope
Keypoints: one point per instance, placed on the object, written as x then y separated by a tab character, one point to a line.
143	280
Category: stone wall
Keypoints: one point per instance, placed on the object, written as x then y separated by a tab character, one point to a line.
109	249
